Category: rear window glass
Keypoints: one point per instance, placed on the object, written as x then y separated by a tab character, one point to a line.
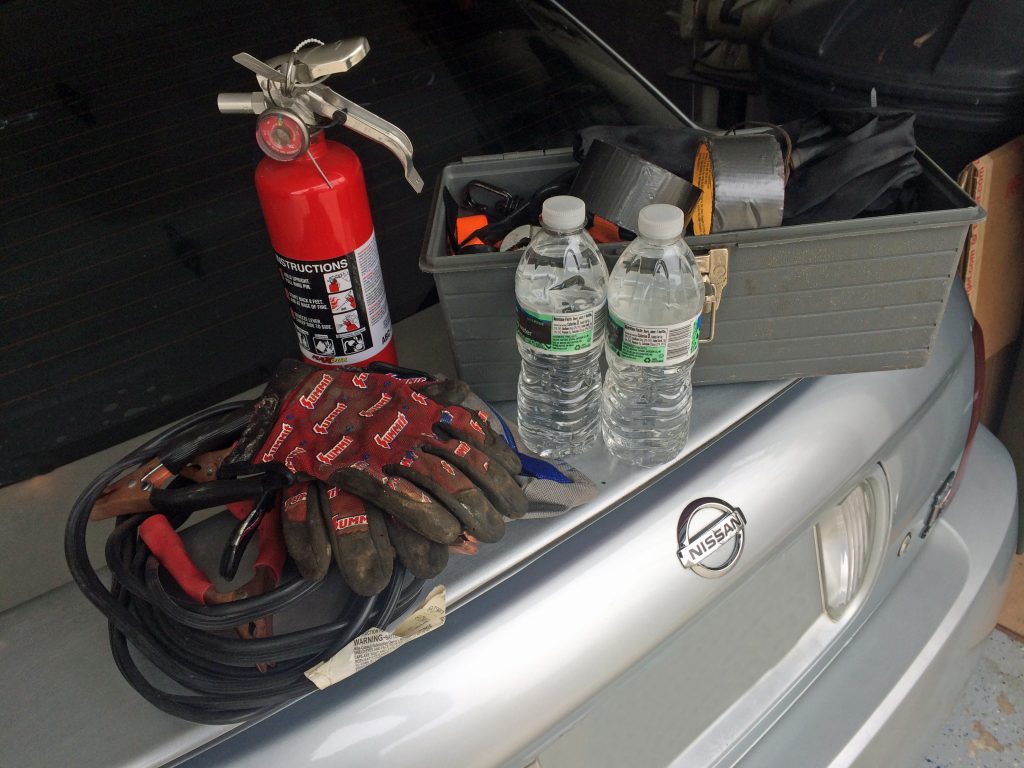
137	283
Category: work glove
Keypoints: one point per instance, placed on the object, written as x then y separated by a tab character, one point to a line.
382	465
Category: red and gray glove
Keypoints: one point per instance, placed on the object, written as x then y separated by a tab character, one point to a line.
384	465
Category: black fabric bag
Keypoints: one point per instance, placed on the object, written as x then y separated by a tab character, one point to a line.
850	162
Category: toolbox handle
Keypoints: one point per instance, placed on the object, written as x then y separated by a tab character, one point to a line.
714	268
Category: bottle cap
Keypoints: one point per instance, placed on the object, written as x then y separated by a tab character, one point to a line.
563	212
660	222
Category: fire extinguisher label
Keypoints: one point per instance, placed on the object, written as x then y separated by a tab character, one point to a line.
338	306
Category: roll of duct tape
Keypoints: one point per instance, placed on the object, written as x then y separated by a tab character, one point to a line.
743	179
616	184
518	237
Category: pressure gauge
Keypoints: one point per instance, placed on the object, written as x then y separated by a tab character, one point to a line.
281	135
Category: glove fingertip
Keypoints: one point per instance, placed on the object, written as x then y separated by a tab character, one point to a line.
502	453
367	577
423	558
311	560
518	506
479	517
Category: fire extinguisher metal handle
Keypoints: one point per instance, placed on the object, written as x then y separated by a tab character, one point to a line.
333	58
323	60
375	128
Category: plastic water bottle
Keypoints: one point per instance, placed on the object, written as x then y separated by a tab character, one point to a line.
561	290
655	298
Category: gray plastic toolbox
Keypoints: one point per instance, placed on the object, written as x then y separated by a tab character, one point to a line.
807	300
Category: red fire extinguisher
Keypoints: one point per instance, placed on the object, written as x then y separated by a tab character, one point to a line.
314	200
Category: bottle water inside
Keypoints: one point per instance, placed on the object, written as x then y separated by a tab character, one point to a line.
561	285
655	299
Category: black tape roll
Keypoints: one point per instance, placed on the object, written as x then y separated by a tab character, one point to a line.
616	184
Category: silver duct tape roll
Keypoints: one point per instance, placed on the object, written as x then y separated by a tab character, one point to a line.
616	184
744	182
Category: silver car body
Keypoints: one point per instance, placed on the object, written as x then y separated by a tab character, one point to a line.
581	639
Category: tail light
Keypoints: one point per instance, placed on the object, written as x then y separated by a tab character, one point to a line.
949	487
849	539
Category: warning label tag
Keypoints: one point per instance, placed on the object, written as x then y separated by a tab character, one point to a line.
338	305
377	643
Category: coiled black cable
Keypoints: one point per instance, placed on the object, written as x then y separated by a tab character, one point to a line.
188	643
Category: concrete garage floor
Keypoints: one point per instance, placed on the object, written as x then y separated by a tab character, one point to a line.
986	728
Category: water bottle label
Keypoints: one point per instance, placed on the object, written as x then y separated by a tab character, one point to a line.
658	346
558	334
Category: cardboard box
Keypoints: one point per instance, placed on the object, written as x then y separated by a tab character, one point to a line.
993	265
1011	433
1011	617
993	271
